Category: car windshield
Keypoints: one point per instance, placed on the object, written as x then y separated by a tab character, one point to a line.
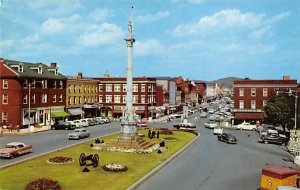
10	146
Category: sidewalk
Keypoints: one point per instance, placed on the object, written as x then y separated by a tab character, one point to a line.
25	131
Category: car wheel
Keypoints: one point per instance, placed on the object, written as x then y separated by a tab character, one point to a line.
266	142
12	156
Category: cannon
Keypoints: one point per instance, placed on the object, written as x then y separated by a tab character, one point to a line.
94	159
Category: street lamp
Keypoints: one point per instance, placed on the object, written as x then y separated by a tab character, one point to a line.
290	93
29	100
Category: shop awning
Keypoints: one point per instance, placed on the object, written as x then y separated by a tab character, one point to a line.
59	114
75	111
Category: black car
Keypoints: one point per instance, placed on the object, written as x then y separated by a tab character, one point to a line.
272	136
63	125
228	138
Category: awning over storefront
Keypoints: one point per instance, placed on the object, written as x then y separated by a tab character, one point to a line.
75	111
59	114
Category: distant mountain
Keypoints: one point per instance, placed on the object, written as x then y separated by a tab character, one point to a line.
227	82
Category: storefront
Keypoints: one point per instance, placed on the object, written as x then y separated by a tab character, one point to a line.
58	114
75	113
248	115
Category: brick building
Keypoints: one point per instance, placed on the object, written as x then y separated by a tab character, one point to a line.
112	96
250	96
82	97
31	93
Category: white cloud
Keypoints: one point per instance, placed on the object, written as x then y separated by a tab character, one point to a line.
226	19
101	34
100	15
148	47
6	43
257	34
278	17
150	18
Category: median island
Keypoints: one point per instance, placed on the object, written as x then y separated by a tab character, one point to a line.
94	165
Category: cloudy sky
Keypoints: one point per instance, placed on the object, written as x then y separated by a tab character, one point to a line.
196	39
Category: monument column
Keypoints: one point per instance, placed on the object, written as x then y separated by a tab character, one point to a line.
128	129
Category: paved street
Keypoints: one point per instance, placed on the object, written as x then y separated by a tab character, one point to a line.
211	164
206	164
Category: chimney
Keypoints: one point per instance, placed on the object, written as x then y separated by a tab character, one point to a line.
79	76
286	78
53	65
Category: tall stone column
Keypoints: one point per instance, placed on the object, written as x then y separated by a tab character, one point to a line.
128	129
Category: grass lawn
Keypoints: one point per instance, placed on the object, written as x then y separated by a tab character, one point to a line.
70	176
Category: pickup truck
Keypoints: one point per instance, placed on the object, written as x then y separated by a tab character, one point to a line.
185	126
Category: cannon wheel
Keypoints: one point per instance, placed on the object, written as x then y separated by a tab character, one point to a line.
95	160
82	160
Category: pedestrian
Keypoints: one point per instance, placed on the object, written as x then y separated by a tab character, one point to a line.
149	134
157	135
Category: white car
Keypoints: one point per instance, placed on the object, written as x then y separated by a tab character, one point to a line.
218	130
211	111
77	123
79	134
210	124
246	126
84	122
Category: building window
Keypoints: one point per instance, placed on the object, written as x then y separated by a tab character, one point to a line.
135	99
69	101
117	99
33	99
124	98
74	100
44	98
54	84
265	92
40	70
25	84
93	89
100	87
5	84
4	99
117	87
89	99
69	88
265	102
100	99
21	68
54	98
84	89
89	89
253	104
79	89
84	99
143	99
80	100
61	84
253	92
96	98
108	98
241	104
45	83
241	92
74	90
4	117
109	88
61	98
25	99
143	88
135	87
124	87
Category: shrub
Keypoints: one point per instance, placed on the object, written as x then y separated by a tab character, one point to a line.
43	184
60	159
165	131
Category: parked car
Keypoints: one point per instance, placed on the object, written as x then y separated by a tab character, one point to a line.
218	130
64	125
91	121
272	136
14	149
106	119
203	114
142	123
176	115
99	120
246	126
228	138
210	124
79	134
84	122
211	111
185	126
77	123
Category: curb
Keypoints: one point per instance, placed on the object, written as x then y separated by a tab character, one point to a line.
155	170
22	133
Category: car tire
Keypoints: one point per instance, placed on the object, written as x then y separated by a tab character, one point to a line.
266	142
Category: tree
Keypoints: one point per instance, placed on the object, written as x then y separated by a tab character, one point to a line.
280	111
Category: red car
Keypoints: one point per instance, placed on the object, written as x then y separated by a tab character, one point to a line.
14	149
142	123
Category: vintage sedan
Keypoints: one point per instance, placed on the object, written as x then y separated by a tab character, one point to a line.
228	138
210	124
14	149
79	134
246	126
63	125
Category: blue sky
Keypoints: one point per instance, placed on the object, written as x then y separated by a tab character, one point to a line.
196	39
